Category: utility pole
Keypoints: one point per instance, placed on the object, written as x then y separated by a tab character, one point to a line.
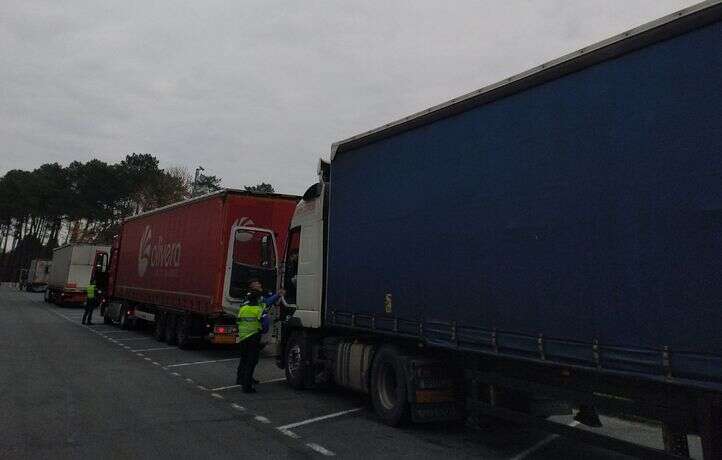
195	180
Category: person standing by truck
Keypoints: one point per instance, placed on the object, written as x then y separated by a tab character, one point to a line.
90	303
252	323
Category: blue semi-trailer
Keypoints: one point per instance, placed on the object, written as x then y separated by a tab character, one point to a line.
551	243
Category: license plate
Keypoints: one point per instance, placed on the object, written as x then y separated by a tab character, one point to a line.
225	339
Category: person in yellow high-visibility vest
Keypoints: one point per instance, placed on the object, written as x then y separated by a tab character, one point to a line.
252	320
89	303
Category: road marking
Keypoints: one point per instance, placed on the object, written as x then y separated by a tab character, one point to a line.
237	407
189	380
238	386
260	418
147	359
140	354
203	362
318	419
225	388
156	363
524	454
154	349
217	396
134	338
320	449
290	433
201	387
283	379
175	373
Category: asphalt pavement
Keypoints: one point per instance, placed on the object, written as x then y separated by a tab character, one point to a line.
72	391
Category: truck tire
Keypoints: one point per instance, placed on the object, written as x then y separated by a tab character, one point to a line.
170	329
124	322
389	393
106	317
296	362
159	332
183	324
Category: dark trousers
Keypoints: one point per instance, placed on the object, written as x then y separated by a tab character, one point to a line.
89	307
250	349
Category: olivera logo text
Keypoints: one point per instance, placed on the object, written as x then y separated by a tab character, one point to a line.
158	254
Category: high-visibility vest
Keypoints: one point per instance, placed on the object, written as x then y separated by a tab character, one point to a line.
90	291
249	321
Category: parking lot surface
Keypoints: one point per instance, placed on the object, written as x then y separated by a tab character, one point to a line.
98	391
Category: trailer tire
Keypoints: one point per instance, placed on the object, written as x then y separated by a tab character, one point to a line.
389	393
183	324
106	317
170	329
124	321
160	324
296	362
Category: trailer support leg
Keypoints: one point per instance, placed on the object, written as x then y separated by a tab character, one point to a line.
675	440
710	429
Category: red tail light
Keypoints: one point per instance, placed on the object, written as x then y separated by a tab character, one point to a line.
221	330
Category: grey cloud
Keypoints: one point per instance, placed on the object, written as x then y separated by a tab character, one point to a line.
258	90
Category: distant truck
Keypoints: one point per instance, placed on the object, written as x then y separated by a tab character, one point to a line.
38	275
73	267
185	267
549	243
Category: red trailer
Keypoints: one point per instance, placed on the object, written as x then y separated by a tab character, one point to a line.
186	266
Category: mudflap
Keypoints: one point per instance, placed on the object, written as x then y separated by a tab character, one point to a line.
435	391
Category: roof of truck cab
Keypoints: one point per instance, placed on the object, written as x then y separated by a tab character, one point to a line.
219	193
664	28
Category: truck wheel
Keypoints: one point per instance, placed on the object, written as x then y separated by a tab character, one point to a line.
106	317
124	321
296	359
170	329
183	324
159	332
388	386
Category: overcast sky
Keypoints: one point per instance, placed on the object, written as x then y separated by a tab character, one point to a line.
259	90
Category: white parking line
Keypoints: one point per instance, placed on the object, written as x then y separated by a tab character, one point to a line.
290	434
237	407
217	396
154	349
225	388
524	454
317	419
282	379
320	449
203	362
261	418
238	386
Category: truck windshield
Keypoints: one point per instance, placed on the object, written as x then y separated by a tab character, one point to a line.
254	256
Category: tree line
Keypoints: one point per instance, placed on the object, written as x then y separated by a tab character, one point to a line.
84	202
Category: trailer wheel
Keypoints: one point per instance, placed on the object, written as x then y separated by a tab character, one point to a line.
183	324
159	332
124	321
170	329
106	317
388	386
296	362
